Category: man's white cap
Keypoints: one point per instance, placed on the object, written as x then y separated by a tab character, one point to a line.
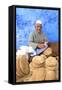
38	22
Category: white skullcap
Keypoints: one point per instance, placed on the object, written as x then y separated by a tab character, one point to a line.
38	21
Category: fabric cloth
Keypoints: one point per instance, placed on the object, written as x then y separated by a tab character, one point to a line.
30	50
38	51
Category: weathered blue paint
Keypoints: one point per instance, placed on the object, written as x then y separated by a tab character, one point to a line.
25	19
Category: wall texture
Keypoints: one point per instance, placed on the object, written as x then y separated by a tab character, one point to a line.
25	20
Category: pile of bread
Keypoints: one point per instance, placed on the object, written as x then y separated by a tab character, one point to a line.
42	67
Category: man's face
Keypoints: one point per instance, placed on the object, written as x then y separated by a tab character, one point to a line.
38	27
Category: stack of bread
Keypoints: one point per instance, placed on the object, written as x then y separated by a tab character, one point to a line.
42	67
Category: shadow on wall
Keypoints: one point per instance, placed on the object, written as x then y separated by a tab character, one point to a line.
25	19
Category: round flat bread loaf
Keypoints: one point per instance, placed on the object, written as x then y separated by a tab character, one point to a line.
50	75
51	61
48	52
38	60
24	65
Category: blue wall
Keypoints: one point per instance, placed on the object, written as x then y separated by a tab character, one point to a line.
25	19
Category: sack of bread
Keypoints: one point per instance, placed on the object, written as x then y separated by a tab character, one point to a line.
37	62
37	68
19	73
50	68
22	66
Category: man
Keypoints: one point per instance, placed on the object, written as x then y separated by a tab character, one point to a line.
37	40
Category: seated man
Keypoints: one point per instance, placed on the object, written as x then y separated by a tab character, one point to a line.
37	40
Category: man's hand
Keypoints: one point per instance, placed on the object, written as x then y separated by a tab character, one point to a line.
41	46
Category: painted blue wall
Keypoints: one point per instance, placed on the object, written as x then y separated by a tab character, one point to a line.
25	19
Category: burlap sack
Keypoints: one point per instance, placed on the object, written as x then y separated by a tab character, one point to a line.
38	75
51	66
51	61
24	65
37	64
48	52
19	73
50	75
